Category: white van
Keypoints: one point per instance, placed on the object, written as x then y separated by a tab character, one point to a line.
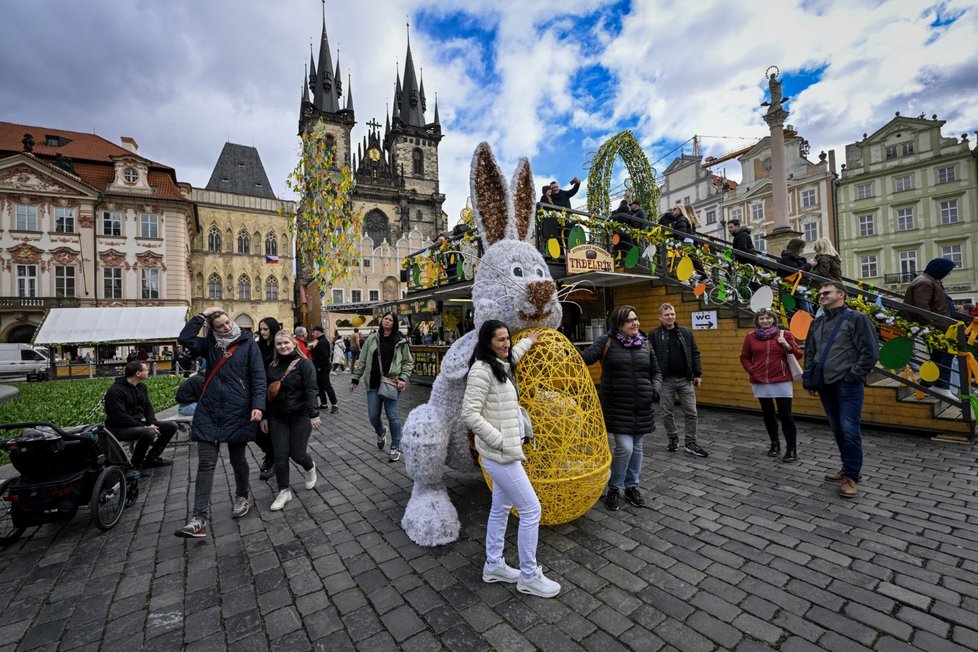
23	360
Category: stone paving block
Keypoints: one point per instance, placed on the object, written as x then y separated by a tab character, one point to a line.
797	644
918	620
757	628
517	615
464	638
504	637
842	625
293	642
927	641
243	625
904	595
879	621
683	637
714	629
423	642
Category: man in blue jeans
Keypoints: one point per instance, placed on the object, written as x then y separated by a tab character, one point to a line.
844	360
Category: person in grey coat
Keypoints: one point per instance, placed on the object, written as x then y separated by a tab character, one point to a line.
229	409
630	384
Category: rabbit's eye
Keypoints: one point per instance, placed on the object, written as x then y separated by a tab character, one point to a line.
538	270
517	271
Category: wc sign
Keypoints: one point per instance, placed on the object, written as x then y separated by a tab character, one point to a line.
705	320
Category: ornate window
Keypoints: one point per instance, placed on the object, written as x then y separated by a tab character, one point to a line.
26	217
149	225
26	280
904	217
271	245
214	240
949	211
64	281
64	220
271	289
150	283
810	231
417	161
867	225
112	282
868	266
214	287
244	242
377	226
946	175
244	288
111	223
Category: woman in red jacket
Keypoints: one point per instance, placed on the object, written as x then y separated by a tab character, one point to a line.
765	357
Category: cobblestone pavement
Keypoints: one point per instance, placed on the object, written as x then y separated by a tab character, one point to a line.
734	552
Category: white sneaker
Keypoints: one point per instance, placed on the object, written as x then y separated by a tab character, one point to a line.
947	394
311	477
283	497
538	585
501	573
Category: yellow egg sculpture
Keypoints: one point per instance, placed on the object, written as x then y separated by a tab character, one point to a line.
569	466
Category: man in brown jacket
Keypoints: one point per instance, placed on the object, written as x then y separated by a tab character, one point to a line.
927	292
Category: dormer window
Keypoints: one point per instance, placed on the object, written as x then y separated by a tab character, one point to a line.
130	175
55	141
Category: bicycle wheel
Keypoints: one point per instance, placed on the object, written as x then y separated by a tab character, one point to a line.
8	531
108	498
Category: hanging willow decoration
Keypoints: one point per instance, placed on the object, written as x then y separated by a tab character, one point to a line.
327	228
642	175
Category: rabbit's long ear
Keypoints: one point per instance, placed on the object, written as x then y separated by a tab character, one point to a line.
490	195
523	200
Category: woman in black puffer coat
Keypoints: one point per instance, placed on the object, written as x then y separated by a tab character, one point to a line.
292	414
267	328
630	383
228	410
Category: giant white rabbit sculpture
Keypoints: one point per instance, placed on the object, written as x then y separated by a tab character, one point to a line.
513	285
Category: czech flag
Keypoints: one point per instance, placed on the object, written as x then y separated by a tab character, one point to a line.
271	260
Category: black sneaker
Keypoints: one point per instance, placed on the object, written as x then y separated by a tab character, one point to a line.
155	462
694	449
673	445
382	440
334	409
791	455
613	500
394	455
267	468
634	496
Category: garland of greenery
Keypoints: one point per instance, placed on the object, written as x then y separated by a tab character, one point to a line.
883	318
326	226
646	192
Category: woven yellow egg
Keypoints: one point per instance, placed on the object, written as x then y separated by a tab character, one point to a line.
569	466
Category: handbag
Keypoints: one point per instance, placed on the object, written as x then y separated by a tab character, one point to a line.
387	389
276	386
794	367
816	379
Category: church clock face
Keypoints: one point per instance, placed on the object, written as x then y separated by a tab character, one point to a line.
374	154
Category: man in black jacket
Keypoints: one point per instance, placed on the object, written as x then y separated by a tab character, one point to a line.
679	359
562	198
130	417
741	237
322	356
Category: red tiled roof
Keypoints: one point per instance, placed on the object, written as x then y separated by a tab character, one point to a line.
91	154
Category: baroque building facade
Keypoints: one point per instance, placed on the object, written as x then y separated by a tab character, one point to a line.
689	180
908	195
242	254
86	222
396	181
811	200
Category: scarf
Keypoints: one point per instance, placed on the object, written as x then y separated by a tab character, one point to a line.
766	333
224	340
630	342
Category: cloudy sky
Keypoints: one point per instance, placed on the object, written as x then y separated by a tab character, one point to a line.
545	79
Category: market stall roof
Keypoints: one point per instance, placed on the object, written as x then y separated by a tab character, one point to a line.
111	325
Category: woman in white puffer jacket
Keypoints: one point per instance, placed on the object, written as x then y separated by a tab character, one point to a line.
490	409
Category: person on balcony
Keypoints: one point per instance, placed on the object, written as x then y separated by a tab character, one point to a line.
741	237
828	263
562	198
927	293
840	351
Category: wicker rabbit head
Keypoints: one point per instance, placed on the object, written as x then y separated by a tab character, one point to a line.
513	283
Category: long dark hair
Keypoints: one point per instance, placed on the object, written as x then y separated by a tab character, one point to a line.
483	350
396	334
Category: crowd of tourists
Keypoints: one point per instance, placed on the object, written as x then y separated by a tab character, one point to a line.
272	388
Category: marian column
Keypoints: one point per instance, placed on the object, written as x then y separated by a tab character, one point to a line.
775	119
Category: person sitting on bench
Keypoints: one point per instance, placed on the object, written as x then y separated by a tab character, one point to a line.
129	416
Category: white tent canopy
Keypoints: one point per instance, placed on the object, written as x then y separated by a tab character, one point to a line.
111	325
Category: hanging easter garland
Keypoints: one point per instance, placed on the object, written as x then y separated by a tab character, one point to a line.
326	226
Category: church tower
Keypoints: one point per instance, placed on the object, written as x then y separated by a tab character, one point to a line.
321	100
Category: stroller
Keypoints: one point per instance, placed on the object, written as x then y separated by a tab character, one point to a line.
61	469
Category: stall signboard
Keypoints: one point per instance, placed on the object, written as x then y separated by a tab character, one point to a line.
588	258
